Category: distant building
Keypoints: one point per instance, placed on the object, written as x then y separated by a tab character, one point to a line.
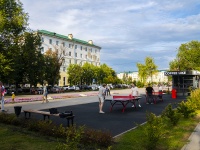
158	77
74	51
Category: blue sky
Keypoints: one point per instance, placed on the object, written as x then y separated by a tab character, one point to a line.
127	30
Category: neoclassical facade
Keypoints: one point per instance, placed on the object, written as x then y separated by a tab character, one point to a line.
73	51
158	77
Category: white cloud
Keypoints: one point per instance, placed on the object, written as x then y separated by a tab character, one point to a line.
128	31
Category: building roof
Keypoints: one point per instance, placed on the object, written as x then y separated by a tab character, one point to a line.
53	34
129	72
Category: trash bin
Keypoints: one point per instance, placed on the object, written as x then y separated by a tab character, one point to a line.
17	110
174	94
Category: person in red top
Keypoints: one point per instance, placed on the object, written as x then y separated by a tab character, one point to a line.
149	94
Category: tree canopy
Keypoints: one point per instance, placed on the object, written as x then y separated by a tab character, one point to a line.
147	70
187	57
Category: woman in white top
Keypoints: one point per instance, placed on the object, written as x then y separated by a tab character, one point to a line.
101	96
135	93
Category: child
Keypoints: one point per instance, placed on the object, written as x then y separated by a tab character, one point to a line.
13	97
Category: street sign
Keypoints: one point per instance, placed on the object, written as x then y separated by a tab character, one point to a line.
170	73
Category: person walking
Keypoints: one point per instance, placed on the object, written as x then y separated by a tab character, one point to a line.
149	94
108	90
101	96
160	90
13	97
2	92
45	93
135	93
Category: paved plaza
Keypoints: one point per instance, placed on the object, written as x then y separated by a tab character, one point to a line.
85	109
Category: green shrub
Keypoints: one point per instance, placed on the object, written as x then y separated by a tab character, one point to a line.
187	108
195	98
153	131
97	137
171	114
75	137
10	119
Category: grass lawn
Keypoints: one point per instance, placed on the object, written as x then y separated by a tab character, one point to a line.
175	138
14	138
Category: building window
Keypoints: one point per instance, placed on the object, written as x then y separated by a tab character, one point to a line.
81	55
80	63
95	51
70	61
75	61
86	56
85	48
70	45
91	50
42	39
64	68
63	80
63	52
81	47
57	42
63	44
50	41
75	54
69	53
75	46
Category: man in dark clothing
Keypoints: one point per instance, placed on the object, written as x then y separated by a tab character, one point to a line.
149	94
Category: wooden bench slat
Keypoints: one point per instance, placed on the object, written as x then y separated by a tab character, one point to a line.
44	113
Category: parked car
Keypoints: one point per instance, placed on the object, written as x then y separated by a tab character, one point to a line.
55	89
65	88
85	87
74	88
39	90
94	87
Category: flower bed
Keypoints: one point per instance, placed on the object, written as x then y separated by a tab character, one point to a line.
40	98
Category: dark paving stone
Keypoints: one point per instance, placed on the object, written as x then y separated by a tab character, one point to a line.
116	121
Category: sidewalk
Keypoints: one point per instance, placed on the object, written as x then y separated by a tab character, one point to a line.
194	140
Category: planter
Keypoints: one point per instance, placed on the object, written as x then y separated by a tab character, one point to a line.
17	110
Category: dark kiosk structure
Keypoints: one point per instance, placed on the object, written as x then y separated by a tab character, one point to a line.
184	81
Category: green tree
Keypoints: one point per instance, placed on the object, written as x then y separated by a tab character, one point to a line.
150	66
53	61
147	70
33	60
125	78
5	67
142	72
75	72
103	73
13	21
187	57
88	73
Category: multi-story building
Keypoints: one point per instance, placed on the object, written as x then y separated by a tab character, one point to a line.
73	51
157	77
